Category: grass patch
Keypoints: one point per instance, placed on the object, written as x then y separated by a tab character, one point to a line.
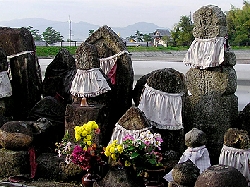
48	51
51	51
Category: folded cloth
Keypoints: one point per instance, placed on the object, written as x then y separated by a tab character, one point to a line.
5	85
198	155
109	65
204	53
89	83
120	132
237	158
162	108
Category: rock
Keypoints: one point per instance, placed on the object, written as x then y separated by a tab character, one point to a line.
212	105
52	167
16	135
195	138
53	111
120	178
14	163
236	138
26	82
59	76
167	80
219	80
243	121
209	22
108	43
87	57
134	119
75	115
185	173
170	81
221	176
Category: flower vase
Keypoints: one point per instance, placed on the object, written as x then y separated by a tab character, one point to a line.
89	178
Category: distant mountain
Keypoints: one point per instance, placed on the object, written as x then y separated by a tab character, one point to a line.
80	30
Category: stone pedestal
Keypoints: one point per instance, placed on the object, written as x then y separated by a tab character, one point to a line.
77	115
14	163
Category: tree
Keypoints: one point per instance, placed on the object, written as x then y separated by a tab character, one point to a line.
138	36
52	36
147	38
35	33
182	33
238	24
91	32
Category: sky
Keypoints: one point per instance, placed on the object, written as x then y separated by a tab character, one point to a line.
119	13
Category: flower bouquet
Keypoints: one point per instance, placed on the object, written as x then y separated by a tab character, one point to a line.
83	152
142	153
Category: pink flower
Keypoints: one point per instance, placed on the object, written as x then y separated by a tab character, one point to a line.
97	131
128	137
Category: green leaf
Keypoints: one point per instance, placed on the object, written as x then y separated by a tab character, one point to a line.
134	155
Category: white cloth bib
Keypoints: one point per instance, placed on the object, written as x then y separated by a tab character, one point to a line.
5	86
204	53
162	108
89	83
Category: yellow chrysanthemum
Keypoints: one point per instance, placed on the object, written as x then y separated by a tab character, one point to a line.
84	132
88	129
107	153
127	163
77	137
85	148
89	142
94	125
88	137
113	156
112	149
120	148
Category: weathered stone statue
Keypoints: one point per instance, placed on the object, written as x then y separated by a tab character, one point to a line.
25	72
105	54
59	75
5	89
159	95
235	151
211	105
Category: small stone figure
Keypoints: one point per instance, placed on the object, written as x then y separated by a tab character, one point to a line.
185	174
235	151
89	81
197	152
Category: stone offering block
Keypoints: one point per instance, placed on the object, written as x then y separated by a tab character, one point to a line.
14	163
221	176
16	135
77	115
52	167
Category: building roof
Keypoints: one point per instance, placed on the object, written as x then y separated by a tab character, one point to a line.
162	32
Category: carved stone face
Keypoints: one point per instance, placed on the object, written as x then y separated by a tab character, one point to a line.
209	22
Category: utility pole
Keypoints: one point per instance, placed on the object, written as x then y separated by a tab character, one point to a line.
69	31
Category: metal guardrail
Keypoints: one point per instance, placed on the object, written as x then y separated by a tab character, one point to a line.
78	43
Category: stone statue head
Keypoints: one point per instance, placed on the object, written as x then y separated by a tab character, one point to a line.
209	22
87	57
195	138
